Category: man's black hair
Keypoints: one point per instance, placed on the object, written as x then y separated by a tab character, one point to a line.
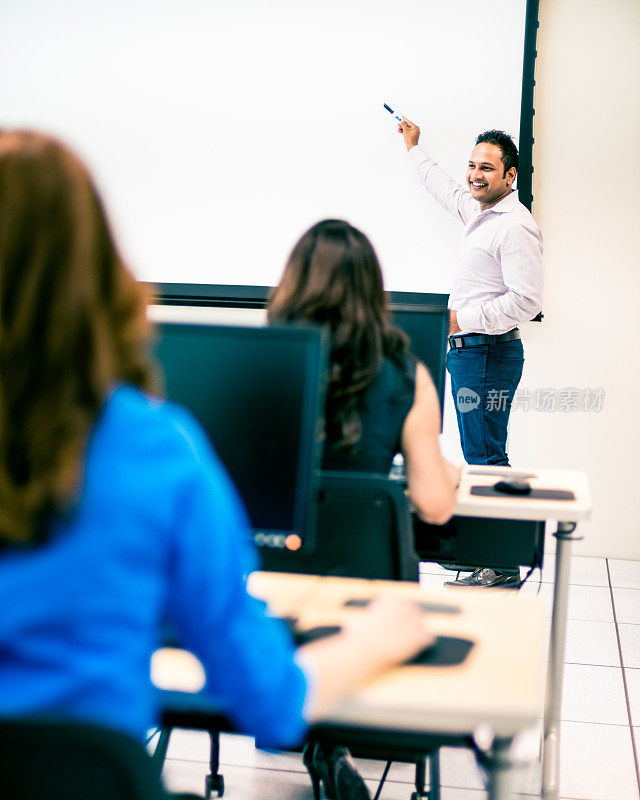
505	143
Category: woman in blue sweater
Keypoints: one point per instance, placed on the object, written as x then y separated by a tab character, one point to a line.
115	513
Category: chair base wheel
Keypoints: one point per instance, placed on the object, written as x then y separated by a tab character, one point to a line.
213	786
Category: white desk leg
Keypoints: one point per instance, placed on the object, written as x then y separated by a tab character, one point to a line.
500	770
553	700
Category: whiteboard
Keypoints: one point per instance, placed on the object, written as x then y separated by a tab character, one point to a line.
219	130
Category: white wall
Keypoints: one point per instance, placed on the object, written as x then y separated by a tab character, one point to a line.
587	203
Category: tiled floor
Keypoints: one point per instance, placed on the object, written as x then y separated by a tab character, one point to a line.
600	712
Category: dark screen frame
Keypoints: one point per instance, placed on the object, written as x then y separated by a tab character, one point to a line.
527	110
314	346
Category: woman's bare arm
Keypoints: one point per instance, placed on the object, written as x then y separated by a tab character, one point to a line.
431	479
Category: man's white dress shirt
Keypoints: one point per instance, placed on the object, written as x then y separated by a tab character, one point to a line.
498	280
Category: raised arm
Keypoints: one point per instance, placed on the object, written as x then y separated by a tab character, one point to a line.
431	479
453	197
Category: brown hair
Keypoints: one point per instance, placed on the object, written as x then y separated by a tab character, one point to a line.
333	278
72	324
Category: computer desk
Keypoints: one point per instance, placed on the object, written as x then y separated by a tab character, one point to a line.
566	513
500	684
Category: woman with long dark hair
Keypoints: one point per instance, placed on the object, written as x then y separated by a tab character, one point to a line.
115	514
380	400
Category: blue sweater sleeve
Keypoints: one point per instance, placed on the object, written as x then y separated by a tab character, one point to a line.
248	657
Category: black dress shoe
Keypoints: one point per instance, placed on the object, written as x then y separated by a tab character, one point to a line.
487	578
333	768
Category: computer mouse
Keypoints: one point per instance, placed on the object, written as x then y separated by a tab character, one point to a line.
444	651
512	486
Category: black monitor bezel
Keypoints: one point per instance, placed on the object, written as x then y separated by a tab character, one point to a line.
309	446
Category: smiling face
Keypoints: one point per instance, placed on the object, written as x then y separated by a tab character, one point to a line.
486	176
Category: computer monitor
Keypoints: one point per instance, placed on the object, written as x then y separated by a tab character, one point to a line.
257	392
425	320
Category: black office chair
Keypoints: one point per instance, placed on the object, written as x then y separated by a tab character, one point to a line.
465	543
185	712
363	530
73	761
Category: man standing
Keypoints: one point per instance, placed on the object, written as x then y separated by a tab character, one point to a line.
498	285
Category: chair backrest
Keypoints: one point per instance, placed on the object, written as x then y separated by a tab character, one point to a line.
471	542
363	531
73	761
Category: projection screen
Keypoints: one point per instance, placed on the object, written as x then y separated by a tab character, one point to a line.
219	130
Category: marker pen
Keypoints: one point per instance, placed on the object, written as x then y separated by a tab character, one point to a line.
393	113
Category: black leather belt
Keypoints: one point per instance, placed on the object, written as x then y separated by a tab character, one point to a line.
471	339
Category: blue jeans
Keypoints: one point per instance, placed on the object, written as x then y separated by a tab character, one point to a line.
484	379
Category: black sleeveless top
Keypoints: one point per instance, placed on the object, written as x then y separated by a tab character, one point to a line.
386	405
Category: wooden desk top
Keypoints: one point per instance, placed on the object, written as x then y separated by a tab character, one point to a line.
501	682
521	506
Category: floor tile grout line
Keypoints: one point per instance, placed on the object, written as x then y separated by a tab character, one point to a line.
288	770
592	722
205	766
262	768
584	664
634	749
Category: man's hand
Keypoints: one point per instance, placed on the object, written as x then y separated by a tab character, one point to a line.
453	323
410	133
